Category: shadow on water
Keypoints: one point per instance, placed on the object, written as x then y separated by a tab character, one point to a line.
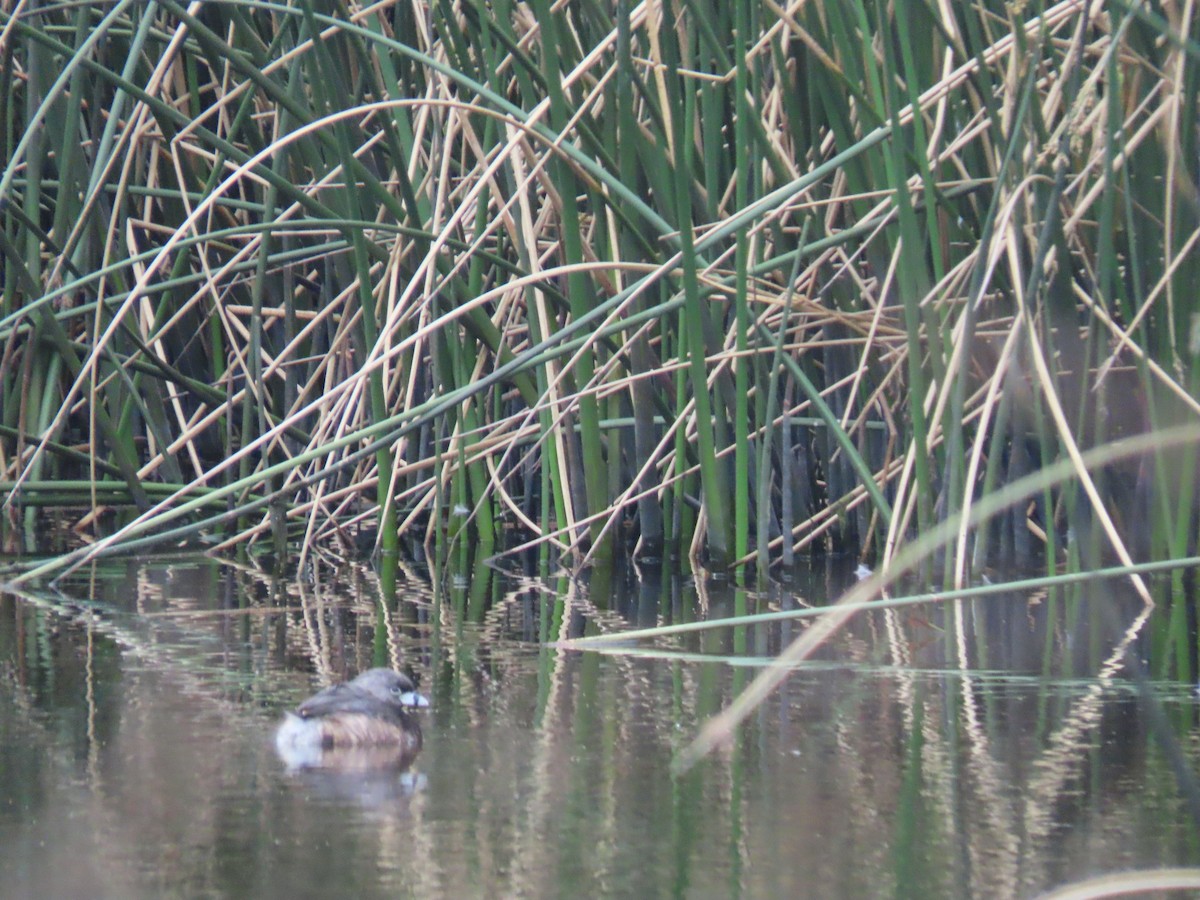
994	747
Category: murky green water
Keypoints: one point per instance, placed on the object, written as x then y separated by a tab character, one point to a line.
136	714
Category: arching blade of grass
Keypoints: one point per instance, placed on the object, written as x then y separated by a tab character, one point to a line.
835	616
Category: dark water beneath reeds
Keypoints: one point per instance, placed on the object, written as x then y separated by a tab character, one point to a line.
136	713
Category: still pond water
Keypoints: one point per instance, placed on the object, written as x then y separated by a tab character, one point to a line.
136	760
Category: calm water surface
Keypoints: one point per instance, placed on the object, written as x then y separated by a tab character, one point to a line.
136	712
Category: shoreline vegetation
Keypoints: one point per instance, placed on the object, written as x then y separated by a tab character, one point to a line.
714	283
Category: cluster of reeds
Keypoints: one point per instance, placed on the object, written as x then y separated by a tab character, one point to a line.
718	280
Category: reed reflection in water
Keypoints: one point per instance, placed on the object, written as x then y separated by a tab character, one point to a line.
979	748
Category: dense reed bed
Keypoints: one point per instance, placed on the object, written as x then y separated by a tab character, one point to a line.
719	282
